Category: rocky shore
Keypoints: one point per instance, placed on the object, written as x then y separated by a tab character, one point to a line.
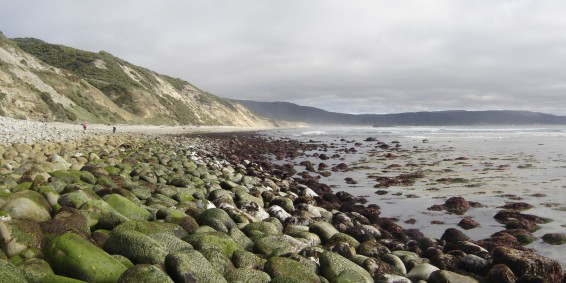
213	208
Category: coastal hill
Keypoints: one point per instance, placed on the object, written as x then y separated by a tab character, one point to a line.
296	113
49	82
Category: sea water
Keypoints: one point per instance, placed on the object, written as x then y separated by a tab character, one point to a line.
497	165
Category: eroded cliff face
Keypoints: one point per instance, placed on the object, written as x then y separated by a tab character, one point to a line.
42	81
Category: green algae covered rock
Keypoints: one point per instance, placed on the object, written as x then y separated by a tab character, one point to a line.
213	240
349	276
282	266
34	269
71	176
144	273
124	260
217	219
285	279
324	230
73	256
274	245
245	259
10	274
266	228
102	214
137	247
333	264
247	275
52	278
152	227
241	239
191	266
146	242
127	207
220	261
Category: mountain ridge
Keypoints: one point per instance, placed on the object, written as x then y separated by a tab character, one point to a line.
287	111
53	82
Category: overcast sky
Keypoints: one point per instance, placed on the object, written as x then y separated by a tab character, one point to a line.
348	56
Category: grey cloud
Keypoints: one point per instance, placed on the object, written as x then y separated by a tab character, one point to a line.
355	56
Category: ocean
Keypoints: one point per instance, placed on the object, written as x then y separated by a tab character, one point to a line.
490	165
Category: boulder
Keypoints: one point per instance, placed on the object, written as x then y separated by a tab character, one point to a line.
554	238
18	235
245	259
333	264
34	269
220	261
247	275
73	256
213	240
445	276
266	228
52	278
282	266
191	266
127	207
11	274
421	272
144	273
500	273
528	263
25	208
217	219
457	205
137	247
323	229
274	245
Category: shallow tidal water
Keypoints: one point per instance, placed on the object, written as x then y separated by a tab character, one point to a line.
490	165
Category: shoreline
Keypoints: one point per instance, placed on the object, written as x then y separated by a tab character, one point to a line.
30	132
221	204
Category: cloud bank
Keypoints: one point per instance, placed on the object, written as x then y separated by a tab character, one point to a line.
348	56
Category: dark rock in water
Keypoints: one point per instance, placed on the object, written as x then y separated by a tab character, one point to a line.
554	238
500	273
498	240
350	181
528	263
457	205
454	235
436	207
517	220
517	206
411	221
523	236
505	216
468	223
345	197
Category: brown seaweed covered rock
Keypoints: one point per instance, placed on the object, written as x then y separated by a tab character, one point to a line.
525	263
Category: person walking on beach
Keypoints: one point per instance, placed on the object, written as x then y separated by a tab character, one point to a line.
114	129
84	126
